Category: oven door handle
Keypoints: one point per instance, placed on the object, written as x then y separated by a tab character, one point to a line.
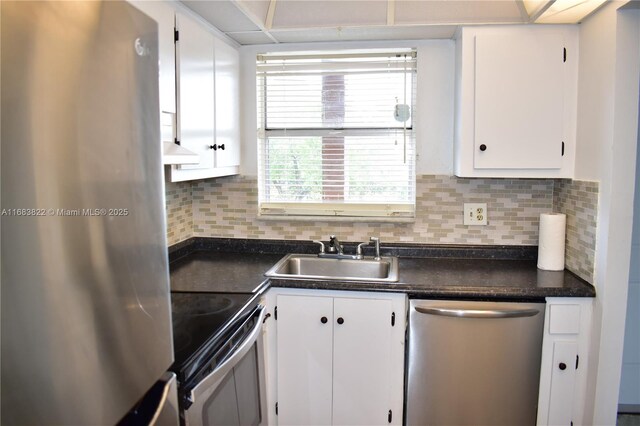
208	385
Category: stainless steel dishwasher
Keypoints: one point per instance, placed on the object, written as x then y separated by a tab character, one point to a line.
473	363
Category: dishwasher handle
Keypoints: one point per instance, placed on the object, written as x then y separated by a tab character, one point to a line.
477	313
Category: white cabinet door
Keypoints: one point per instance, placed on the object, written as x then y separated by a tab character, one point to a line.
305	354
195	57
227	106
340	357
516	101
519	92
562	382
164	15
563	372
362	361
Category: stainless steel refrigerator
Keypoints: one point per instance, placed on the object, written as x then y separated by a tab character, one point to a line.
85	307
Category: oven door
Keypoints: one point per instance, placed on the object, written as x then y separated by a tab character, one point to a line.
234	393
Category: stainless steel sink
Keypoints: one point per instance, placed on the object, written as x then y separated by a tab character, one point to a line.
310	266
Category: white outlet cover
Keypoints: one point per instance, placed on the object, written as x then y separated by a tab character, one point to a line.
475	213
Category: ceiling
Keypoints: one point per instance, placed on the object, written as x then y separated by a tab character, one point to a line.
294	21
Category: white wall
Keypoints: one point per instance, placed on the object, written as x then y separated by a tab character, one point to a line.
606	151
434	109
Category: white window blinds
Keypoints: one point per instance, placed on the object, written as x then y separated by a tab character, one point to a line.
336	133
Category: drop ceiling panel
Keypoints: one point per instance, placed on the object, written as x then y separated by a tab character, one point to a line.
365	33
251	37
257	8
533	6
304	14
456	12
223	14
560	12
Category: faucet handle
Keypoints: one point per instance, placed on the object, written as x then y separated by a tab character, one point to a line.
359	249
321	246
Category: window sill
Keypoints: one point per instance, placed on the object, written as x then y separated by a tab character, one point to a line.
349	219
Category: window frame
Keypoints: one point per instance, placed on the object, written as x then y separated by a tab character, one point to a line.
336	208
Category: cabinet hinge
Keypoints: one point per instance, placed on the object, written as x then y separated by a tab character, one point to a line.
393	319
275	313
563	148
390	416
276	408
176	35
577	361
564	54
176	141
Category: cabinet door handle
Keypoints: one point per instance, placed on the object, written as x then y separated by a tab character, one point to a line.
340	320
562	366
324	320
221	146
213	147
483	147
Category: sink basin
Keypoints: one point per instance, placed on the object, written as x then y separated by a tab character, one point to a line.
301	266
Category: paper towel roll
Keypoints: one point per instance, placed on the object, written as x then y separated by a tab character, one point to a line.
551	243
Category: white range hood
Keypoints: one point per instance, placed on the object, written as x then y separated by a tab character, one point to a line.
172	153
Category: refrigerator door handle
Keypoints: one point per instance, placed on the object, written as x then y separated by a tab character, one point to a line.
477	313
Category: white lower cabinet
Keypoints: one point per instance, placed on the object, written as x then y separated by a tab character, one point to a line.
339	357
305	359
563	371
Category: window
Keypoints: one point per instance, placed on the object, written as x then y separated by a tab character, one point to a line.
336	134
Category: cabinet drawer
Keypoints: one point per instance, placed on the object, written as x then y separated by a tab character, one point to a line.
564	319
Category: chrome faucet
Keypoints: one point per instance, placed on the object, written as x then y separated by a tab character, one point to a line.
335	250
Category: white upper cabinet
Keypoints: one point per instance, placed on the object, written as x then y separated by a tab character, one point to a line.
164	14
196	71
516	101
208	95
227	60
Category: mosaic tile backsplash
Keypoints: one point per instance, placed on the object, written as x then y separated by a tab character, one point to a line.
579	201
179	211
227	207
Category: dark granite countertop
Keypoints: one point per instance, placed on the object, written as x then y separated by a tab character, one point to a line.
221	272
468	272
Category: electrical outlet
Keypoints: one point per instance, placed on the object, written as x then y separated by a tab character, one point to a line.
475	213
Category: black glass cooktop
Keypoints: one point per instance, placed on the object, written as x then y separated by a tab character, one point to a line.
201	321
